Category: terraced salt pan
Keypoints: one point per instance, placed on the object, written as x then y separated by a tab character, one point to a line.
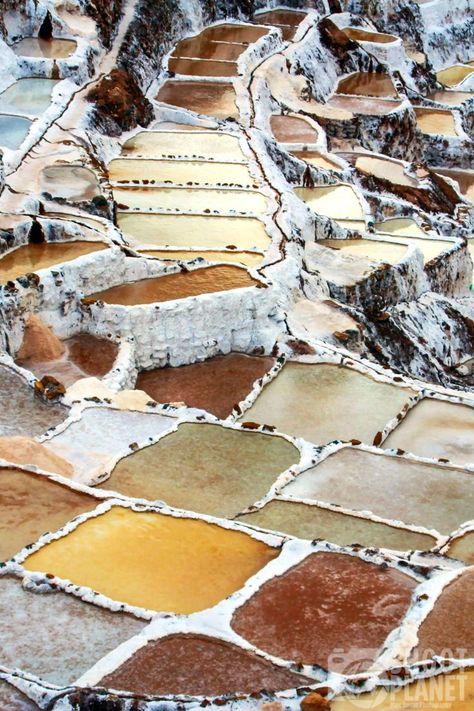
453	98
431	248
198	665
358	34
234	33
340	202
180	172
31	504
351	605
247	259
210	145
436	122
401	227
464	178
362	105
188	231
205	468
437	429
338	266
149	559
454	691
320	160
179	285
454	75
291	129
367	84
445	632
33	257
385	169
324	402
207	98
387	252
291	18
191	199
390	487
30	639
202	68
463	548
91	452
22	412
71	182
215	385
49	49
85	355
202	48
28	97
13	131
311	522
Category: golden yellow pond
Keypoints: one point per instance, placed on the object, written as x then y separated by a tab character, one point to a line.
180	171
33	257
154	561
194	144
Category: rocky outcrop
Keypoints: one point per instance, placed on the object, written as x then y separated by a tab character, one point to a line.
106	14
119	104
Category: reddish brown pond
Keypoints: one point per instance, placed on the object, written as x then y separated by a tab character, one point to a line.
367	84
203	48
446	630
176	286
215	385
291	129
212	99
198	665
365	106
85	355
202	68
234	33
329	601
280	17
33	257
31	504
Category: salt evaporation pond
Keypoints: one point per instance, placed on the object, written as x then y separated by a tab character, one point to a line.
55	48
71	182
27	96
34	257
340	202
202	97
180	172
196	144
199	200
13	131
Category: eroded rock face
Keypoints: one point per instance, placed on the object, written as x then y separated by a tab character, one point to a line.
119	103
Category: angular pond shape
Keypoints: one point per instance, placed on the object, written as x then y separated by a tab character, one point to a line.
431	248
202	97
212	145
215	385
436	122
464	178
463	548
358	34
27	96
339	266
196	231
453	692
205	468
363	105
247	259
13	700
404	227
71	182
31	504
180	285
13	131
310	522
149	559
446	632
292	18
325	402
453	98
454	75
22	412
320	160
83	442
197	665
200	47
346	603
367	84
319	319
291	129
437	430
34	257
26	451
198	200
49	49
385	169
387	252
234	33
85	356
390	487
180	172
340	202
55	636
202	67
